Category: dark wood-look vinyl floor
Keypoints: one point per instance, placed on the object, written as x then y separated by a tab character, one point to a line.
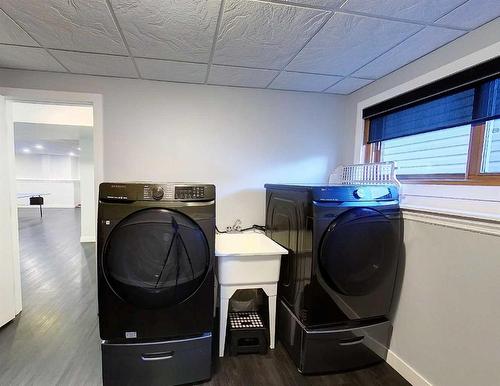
55	339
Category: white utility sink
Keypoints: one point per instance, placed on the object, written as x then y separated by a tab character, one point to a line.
246	261
246	258
246	244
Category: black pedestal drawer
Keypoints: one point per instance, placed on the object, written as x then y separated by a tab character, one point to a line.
164	363
332	350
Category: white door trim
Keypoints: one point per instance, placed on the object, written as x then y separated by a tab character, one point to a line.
7	271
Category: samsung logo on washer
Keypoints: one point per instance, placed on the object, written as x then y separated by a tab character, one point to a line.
117	192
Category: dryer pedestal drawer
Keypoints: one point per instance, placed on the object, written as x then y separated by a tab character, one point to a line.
332	350
157	363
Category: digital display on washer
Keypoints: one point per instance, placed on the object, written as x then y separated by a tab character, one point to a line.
189	192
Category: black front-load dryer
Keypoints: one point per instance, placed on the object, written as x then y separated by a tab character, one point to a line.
337	282
356	255
155	281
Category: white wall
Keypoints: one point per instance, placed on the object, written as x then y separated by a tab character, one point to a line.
238	139
54	174
446	324
47	166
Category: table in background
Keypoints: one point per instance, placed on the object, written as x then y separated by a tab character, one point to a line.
35	199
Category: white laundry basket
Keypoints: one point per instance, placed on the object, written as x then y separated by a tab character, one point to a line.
365	174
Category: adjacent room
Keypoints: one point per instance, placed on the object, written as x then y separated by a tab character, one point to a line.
250	192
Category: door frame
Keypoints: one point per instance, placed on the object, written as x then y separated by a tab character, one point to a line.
7	271
55	97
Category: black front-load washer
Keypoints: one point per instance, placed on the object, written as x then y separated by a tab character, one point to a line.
155	253
337	281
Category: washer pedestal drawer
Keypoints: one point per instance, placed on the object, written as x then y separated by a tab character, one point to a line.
332	350
162	363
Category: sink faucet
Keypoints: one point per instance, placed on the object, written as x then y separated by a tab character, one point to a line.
235	228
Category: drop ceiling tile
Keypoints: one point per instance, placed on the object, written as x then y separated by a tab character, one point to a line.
168	29
81	25
413	48
347	42
417	10
348	85
330	4
264	35
303	82
96	64
29	58
11	33
238	76
472	14
172	71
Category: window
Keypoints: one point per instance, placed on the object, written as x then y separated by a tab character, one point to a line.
467	154
438	152
445	132
491	153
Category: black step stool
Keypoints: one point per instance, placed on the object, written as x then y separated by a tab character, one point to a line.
247	334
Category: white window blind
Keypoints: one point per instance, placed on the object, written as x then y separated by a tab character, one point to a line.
437	152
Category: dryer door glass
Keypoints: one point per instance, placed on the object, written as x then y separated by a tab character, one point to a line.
358	251
156	258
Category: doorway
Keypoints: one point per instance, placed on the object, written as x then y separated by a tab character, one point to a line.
48	262
54	162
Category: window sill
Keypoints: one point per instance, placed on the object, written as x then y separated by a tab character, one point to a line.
470	222
471	202
455	213
482	181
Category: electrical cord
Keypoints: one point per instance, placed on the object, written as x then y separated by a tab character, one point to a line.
261	228
254	226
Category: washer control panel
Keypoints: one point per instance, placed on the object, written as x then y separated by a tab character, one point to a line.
179	192
157	192
129	192
189	192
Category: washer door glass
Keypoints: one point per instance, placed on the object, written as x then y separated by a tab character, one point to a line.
156	258
357	251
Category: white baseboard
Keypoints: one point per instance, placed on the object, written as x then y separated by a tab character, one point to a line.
405	370
36	207
87	239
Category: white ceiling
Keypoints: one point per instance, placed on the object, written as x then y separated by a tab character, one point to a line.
330	46
53	139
